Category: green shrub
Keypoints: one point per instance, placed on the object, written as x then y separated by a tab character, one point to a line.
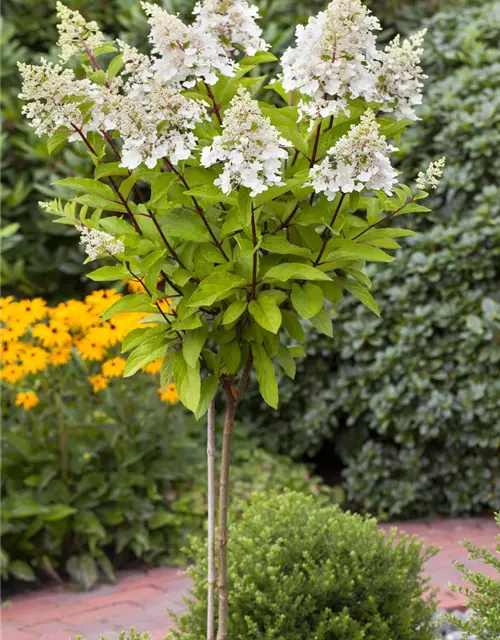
484	598
409	403
91	482
301	569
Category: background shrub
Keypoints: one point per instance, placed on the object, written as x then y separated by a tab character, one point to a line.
483	595
301	569
408	403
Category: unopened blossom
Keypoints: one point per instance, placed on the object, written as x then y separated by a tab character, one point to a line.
359	160
399	84
233	22
75	33
184	53
54	96
99	244
429	179
250	148
332	59
159	126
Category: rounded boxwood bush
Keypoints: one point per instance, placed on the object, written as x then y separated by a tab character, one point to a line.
299	568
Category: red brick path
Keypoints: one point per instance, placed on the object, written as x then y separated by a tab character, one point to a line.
141	599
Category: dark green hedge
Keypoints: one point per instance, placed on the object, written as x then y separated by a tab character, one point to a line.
410	403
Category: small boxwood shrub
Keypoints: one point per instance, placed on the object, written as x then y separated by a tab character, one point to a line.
299	568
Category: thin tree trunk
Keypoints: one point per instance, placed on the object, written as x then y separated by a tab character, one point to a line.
222	583
211	521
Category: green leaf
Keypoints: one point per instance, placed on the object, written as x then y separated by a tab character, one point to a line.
286	361
280	245
230	354
234	311
266	312
160	187
307	299
57	139
209	388
214	288
185	225
266	376
360	293
161	519
295	271
83	570
359	252
145	353
292	325
106	567
88	186
187	382
127	304
323	322
115	66
245	207
193	343
58	512
110	169
210	194
274	192
104	274
22	571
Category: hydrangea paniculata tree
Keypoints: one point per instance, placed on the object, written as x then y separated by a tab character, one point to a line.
253	218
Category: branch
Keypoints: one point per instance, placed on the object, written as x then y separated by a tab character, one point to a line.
389	217
326	232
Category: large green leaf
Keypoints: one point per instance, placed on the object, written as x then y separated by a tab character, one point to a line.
295	271
266	376
193	343
266	312
185	225
216	287
187	381
307	299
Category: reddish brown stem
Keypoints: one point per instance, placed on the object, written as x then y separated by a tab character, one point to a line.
326	232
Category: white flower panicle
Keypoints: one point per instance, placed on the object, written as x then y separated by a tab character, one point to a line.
399	84
53	95
358	160
429	179
184	53
99	244
250	148
233	22
159	126
75	33
332	59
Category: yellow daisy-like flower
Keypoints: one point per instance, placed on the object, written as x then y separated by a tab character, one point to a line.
98	301
154	367
89	349
134	287
27	400
73	314
53	334
11	373
34	359
166	305
113	368
98	382
27	311
169	394
11	352
60	356
12	334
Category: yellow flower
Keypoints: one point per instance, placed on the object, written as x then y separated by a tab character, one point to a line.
169	395
52	335
60	355
12	334
166	305
113	368
154	367
134	286
12	373
11	352
98	382
27	400
73	314
25	312
98	301
89	349
34	359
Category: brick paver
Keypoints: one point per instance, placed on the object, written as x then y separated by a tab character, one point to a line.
142	599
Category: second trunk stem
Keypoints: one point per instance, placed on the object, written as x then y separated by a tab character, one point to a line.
222	584
211	521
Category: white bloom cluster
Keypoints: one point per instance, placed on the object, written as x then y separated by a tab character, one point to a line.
99	244
358	160
234	22
399	84
54	96
184	53
430	178
250	148
332	59
160	125
75	33
138	67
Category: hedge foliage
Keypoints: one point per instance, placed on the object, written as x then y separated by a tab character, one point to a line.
410	402
301	569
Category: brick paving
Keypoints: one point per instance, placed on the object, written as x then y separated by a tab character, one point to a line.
141	599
